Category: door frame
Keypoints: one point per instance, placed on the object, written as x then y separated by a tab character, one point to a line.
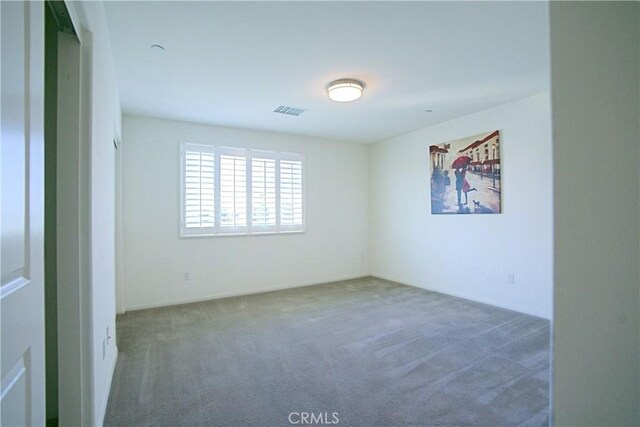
75	349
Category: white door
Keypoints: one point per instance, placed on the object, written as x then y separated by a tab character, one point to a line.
21	209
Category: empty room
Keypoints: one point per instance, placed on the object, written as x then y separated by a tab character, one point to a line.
324	213
282	260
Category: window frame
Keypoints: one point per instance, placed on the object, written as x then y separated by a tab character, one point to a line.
249	229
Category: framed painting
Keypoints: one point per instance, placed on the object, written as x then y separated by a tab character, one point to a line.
465	175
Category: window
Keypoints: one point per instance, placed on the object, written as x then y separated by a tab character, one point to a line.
198	165
290	193
263	193
233	191
239	191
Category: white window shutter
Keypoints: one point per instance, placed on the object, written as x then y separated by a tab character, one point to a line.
198	179
263	193
233	191
291	195
238	191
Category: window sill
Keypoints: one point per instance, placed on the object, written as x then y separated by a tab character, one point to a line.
257	233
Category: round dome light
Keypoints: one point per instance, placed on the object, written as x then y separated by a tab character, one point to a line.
345	90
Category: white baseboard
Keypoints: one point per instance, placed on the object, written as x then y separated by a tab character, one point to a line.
458	295
243	293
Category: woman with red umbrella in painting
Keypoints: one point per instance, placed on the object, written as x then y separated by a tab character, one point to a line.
462	185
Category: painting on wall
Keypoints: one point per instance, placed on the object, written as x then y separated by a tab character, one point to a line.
465	175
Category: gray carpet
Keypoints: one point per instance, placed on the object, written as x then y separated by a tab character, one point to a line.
375	352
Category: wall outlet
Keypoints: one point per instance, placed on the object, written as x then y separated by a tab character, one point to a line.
108	336
511	279
187	276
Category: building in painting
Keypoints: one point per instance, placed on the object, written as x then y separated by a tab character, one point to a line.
438	155
484	154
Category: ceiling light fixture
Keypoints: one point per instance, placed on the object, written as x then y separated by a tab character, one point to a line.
345	90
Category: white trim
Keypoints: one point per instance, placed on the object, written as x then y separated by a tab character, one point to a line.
222	295
120	288
461	296
13	286
86	372
231	151
12	376
73	215
253	234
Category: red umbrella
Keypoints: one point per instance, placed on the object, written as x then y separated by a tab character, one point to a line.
461	162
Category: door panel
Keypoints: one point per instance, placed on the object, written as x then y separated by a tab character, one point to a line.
22	224
13	142
15	392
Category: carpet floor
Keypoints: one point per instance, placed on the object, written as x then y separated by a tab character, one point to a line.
364	352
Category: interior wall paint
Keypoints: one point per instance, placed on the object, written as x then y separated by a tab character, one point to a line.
469	256
105	124
595	81
334	246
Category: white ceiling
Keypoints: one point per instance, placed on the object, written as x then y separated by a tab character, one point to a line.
232	63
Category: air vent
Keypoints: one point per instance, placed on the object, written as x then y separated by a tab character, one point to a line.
292	111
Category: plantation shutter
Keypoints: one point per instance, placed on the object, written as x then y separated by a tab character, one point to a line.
233	190
198	165
263	193
228	190
291	209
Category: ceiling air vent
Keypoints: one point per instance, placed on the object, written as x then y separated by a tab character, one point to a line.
292	111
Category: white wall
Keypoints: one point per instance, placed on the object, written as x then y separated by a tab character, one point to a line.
335	245
595	49
106	120
469	256
105	116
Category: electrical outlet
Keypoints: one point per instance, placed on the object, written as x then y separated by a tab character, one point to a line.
108	336
511	279
187	276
